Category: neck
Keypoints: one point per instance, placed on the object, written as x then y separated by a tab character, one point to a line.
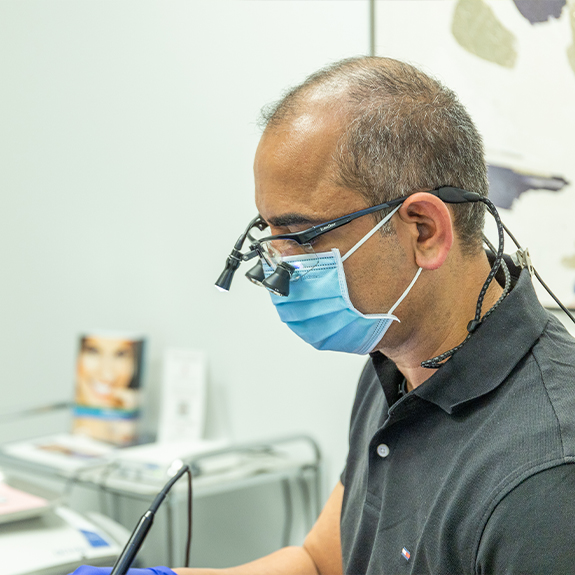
440	323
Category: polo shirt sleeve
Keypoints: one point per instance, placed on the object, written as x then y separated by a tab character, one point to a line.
531	531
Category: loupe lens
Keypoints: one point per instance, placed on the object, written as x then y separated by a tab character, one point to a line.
301	257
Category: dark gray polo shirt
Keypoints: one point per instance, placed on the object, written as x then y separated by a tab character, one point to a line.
472	472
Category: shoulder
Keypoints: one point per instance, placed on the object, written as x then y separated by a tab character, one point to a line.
537	495
530	531
554	354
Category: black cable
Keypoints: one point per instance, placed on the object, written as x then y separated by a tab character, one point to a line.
569	314
474	324
189	537
511	236
539	278
437	361
506	287
141	530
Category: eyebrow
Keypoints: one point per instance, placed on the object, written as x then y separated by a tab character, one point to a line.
294	220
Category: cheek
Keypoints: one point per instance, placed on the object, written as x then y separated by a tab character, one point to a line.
362	284
374	276
88	365
124	371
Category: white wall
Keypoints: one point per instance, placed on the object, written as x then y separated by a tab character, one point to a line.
127	132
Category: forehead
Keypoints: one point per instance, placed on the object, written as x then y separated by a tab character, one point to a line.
295	170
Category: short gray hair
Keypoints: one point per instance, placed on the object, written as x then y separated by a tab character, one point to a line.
403	132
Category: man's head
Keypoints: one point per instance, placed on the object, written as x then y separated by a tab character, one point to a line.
395	131
358	134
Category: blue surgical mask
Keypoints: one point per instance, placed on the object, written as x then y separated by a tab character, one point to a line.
318	307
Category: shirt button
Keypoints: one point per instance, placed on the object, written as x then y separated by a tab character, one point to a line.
382	450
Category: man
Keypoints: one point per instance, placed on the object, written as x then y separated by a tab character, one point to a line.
464	465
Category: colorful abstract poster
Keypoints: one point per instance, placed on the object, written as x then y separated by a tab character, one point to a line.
108	387
512	64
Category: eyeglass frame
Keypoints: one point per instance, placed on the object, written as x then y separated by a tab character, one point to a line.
447	194
306	236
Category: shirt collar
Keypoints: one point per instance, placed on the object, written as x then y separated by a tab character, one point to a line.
487	358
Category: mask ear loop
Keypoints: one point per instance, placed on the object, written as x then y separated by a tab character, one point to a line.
404	294
370	233
365	238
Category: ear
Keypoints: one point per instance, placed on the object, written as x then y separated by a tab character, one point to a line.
426	226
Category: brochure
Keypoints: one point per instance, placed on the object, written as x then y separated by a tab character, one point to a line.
108	387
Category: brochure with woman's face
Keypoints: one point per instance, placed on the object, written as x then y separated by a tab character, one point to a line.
108	383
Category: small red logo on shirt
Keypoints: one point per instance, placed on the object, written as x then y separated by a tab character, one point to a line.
406	554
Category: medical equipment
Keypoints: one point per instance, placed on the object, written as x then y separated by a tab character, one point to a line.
58	542
274	484
139	534
272	249
278	282
22	412
157	462
40	536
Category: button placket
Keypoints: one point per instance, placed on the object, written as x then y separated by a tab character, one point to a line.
379	460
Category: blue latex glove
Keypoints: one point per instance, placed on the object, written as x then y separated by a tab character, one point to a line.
87	570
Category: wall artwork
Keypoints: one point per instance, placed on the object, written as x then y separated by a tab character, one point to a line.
512	63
